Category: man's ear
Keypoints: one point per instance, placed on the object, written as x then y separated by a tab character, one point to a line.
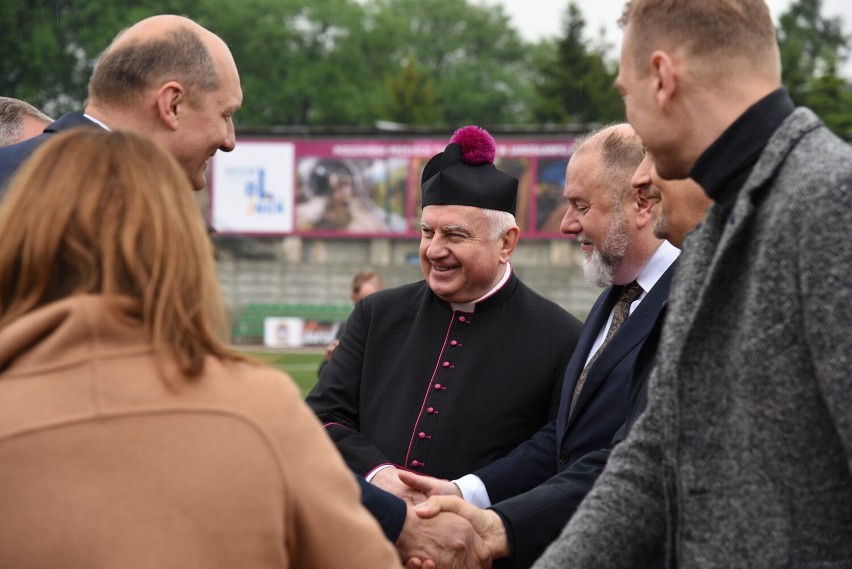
644	207
171	98
663	69
510	240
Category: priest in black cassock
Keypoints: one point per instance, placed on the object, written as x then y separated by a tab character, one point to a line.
446	375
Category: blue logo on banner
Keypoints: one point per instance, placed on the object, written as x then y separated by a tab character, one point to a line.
259	200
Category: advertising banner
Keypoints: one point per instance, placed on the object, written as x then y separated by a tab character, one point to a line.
255	189
363	187
289	332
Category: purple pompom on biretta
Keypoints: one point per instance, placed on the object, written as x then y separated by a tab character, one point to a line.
464	174
477	146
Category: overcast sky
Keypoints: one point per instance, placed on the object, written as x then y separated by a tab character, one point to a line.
543	18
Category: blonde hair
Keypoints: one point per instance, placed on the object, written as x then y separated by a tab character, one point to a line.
740	29
363	277
97	212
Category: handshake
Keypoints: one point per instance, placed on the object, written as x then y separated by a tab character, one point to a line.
441	529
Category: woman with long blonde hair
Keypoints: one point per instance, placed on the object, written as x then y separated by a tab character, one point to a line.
129	435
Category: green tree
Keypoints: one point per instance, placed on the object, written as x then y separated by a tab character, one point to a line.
300	63
326	62
48	48
297	61
412	98
576	80
474	59
812	50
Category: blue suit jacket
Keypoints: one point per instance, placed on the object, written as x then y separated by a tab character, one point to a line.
14	155
547	476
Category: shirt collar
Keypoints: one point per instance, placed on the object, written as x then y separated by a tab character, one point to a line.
723	168
659	263
97	122
470	306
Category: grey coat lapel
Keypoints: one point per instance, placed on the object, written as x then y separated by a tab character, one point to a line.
707	249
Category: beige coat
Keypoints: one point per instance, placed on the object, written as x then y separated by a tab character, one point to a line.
102	464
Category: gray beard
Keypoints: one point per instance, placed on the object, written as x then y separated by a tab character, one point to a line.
600	266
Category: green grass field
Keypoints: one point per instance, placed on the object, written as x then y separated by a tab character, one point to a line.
301	366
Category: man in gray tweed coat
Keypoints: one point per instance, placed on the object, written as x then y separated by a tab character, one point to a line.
742	458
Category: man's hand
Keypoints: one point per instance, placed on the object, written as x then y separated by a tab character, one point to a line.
330	348
429	486
388	479
487	523
442	540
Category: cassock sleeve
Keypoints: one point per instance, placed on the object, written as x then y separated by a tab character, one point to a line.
336	395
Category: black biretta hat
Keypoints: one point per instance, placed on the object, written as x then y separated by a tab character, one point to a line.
464	174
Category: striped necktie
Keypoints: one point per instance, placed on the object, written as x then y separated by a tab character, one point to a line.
622	309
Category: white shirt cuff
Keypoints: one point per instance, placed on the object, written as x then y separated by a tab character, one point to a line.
376	470
473	490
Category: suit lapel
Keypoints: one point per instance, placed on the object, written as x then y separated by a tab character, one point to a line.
596	320
634	331
69	121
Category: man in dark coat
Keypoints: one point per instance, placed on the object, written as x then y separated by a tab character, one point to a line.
448	374
166	77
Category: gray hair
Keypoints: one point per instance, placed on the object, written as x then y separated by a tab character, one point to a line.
621	154
12	114
499	222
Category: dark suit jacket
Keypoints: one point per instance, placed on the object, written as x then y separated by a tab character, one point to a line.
536	492
535	518
14	155
388	510
474	384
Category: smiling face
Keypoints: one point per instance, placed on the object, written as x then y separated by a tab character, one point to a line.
599	224
171	79
459	255
206	122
